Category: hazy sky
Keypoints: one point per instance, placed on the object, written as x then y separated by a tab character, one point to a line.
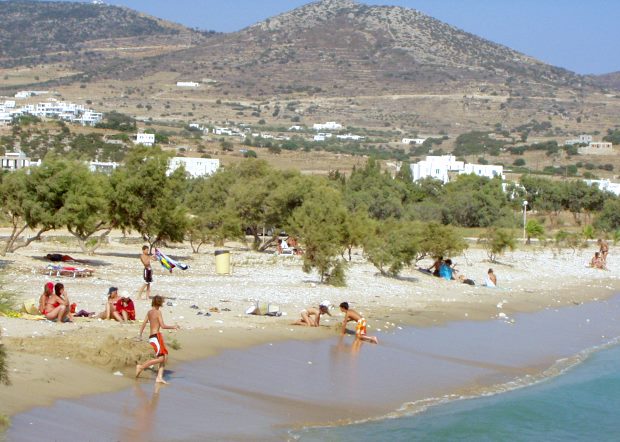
580	35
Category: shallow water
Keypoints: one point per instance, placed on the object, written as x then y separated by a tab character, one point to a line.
583	404
260	393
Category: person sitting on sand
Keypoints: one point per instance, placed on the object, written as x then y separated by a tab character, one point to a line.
311	316
125	307
360	327
110	306
156	339
61	293
490	280
445	270
436	266
597	261
51	306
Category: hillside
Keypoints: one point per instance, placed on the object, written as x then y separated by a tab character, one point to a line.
41	32
611	80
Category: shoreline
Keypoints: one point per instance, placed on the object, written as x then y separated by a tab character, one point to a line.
484	366
389	303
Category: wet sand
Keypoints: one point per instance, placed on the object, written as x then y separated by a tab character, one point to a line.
263	392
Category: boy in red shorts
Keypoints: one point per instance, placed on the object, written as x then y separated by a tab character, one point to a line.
156	321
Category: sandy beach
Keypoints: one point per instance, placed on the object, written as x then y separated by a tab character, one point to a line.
49	361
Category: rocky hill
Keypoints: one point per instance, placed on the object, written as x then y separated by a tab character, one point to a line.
41	32
610	81
340	47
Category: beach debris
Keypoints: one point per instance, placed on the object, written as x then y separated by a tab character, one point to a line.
502	315
194	306
118	373
309	362
169	304
214	310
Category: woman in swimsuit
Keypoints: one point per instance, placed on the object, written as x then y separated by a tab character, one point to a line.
61	294
50	305
110	307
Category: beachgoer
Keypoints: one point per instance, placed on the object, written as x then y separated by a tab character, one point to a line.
49	305
125	307
156	339
311	316
110	306
436	266
597	262
446	270
603	249
145	259
57	257
61	293
490	280
360	327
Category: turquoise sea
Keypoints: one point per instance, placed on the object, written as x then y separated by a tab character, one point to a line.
582	404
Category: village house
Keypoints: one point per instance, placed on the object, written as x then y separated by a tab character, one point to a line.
605	185
444	167
195	167
582	139
416	141
16	160
187	84
330	125
597	148
102	167
145	139
350	137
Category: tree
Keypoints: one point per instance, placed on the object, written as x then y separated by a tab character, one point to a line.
496	242
144	198
319	224
392	245
534	229
439	240
609	218
33	199
358	227
85	210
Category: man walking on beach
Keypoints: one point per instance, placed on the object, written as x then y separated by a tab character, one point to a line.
146	259
156	339
360	327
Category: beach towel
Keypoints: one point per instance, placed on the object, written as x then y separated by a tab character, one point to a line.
61	270
169	263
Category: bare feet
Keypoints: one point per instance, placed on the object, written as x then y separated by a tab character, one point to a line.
160	381
374	340
139	369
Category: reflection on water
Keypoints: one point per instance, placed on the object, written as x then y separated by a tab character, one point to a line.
139	419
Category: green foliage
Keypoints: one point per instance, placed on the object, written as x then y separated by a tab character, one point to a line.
609	218
588	232
144	198
476	143
613	136
319	223
117	121
534	229
392	245
439	240
496	242
564	239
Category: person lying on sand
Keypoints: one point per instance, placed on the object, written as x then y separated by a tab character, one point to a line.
360	327
311	316
57	257
156	339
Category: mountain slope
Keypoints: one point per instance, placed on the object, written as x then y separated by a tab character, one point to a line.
33	31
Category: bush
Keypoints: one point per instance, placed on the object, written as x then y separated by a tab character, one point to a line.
496	242
519	162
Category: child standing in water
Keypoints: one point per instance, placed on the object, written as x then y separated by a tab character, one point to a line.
360	327
156	339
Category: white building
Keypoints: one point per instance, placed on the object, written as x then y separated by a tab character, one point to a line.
295	128
5	118
322	136
605	185
350	137
187	84
330	125
102	167
15	161
196	167
484	170
597	148
582	139
28	94
145	139
442	167
416	141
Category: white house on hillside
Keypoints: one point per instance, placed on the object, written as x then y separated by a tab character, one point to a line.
330	125
442	167
145	139
196	167
187	84
15	161
605	185
416	141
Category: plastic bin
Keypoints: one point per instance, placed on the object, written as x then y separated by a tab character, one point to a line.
222	262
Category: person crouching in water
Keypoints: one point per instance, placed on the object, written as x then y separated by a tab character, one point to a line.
156	339
311	316
360	328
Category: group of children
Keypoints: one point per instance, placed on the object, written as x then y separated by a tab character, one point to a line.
599	260
311	317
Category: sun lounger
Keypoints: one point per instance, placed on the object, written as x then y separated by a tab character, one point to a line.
74	272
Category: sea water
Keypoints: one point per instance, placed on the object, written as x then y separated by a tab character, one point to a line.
582	404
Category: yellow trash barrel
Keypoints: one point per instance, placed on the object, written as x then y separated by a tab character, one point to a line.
222	262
